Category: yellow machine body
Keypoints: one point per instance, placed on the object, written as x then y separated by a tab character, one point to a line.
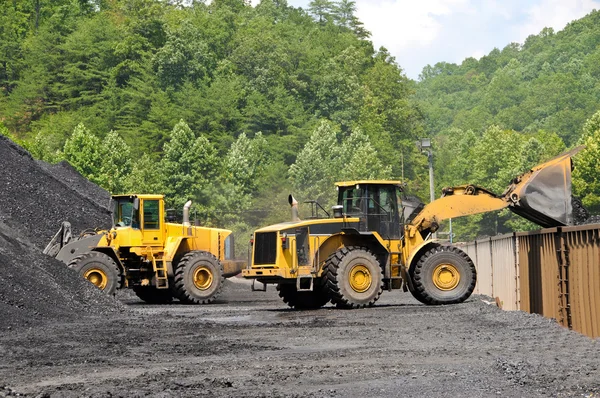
373	217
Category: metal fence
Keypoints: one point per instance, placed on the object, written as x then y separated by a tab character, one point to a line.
552	272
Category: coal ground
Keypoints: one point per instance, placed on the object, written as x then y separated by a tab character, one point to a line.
60	337
249	344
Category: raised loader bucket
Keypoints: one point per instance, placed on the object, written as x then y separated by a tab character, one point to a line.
543	194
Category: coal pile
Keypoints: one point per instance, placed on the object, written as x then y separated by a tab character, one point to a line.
67	174
33	204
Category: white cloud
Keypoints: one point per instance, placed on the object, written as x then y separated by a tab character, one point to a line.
478	54
400	24
555	14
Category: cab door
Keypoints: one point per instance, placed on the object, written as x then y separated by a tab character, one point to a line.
151	222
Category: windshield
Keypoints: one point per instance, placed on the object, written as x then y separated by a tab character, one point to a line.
124	214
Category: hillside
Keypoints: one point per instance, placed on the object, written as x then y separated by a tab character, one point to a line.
236	106
550	82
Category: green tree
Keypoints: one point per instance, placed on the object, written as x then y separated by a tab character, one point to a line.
315	169
189	168
83	150
116	163
586	175
321	9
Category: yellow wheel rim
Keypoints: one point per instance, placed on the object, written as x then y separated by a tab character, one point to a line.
97	277
446	277
203	278
360	278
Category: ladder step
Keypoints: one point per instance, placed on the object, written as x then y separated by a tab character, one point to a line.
160	272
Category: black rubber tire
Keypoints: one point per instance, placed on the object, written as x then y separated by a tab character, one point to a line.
88	261
304	300
152	295
338	268
424	270
183	284
415	293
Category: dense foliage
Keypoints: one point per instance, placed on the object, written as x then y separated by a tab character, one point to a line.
551	82
236	106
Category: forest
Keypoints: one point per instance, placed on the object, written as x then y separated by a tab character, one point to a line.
235	106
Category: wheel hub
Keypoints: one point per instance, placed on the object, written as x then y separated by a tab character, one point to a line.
97	277
446	277
202	278
360	278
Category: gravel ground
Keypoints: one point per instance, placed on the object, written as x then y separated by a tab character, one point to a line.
249	344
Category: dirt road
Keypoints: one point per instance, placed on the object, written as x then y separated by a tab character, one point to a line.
250	345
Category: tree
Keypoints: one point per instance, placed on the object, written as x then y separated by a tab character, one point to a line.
189	167
324	160
359	160
321	9
246	161
586	176
315	169
115	164
83	150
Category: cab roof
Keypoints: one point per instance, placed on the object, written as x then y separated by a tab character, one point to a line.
368	182
141	196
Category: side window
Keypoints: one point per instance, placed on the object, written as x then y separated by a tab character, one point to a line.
351	200
151	214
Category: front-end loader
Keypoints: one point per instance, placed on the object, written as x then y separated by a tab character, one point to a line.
380	239
145	250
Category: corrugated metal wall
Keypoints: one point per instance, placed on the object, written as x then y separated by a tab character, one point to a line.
553	272
582	249
497	271
538	270
485	275
505	280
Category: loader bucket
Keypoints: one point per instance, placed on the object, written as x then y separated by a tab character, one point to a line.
543	195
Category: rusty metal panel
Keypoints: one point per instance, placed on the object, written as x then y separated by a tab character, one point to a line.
582	248
484	268
504	271
538	273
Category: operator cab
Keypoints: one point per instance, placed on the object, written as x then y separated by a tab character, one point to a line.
376	203
143	215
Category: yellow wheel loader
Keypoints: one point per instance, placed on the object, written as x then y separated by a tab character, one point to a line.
379	239
145	250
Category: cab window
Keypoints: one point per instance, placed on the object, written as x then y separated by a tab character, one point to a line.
151	214
124	213
351	200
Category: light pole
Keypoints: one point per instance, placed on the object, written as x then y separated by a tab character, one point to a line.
424	145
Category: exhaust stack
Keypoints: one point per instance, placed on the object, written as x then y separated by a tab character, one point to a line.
186	216
294	203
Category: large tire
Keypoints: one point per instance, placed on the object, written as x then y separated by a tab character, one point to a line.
304	300
444	275
152	295
415	293
354	277
198	278
99	269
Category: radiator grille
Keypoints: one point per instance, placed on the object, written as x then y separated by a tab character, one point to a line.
265	248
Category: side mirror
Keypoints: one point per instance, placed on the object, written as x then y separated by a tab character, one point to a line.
136	203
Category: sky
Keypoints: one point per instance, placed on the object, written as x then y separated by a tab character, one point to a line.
422	32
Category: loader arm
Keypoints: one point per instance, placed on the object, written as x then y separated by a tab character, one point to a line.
455	202
541	195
